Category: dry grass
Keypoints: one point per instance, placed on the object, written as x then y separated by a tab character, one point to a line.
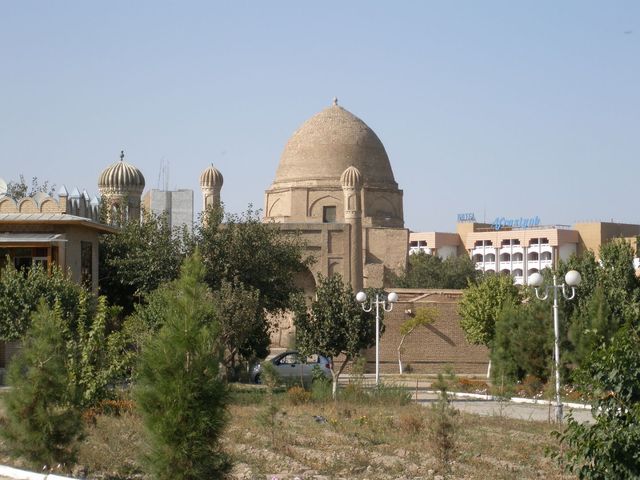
339	440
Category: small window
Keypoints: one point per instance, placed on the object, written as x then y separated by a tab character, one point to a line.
86	263
329	214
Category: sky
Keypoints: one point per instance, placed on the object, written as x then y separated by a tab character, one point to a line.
497	108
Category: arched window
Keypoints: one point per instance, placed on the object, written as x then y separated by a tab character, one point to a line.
517	272
545	256
533	256
517	257
477	258
505	257
532	271
490	257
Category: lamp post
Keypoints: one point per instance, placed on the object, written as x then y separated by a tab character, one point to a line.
572	279
387	306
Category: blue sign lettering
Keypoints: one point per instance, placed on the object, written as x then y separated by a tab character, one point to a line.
500	222
466	217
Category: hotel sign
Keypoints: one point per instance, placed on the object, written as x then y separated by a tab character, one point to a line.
466	217
500	222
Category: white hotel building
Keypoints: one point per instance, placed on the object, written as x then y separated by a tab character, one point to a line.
520	251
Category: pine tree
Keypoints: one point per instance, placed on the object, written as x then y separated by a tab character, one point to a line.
42	422
179	394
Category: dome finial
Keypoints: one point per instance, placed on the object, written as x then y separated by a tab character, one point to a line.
122	155
335	101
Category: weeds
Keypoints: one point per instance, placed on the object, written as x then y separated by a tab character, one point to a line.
298	395
443	428
268	417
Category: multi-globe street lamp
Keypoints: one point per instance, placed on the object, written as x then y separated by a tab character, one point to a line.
387	306
572	279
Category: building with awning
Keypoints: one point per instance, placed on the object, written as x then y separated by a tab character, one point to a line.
42	230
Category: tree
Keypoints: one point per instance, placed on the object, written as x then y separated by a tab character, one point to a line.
608	298
241	252
523	342
43	421
591	326
20	294
480	306
423	317
139	258
334	325
180	396
609	448
431	271
241	248
20	189
243	331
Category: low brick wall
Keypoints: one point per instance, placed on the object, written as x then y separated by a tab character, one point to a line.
430	349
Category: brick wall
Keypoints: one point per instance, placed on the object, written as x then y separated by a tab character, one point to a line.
429	349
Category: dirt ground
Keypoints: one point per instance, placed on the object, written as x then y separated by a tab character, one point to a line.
339	440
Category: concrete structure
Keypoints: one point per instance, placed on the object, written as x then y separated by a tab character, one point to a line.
522	251
335	185
177	205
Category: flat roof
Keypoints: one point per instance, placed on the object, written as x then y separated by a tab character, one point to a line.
54	219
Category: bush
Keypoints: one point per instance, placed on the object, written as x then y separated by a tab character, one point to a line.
411	423
321	387
389	394
298	395
42	422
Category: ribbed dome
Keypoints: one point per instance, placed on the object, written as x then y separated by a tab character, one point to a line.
351	178
211	178
121	176
327	144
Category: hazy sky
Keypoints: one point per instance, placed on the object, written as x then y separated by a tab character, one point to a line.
498	108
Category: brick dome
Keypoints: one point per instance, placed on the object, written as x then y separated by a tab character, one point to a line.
327	144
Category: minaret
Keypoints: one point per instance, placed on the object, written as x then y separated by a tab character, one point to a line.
351	181
211	183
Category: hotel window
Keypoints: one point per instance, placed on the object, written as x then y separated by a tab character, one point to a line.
329	214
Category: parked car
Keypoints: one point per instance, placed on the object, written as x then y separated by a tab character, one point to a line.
291	366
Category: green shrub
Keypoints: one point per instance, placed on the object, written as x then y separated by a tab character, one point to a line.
321	386
42	421
609	447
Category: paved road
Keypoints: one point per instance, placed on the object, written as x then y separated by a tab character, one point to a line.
522	411
541	413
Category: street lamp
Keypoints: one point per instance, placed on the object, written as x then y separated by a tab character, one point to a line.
572	279
387	306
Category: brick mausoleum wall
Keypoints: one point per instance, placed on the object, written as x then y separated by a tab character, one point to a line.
432	349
